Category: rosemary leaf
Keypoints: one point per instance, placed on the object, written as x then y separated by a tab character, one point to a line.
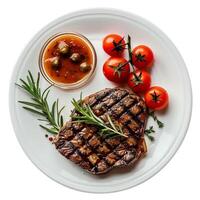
53	110
111	123
47	89
38	81
46	96
57	111
49	130
31	77
35	105
36	100
43	120
29	83
33	111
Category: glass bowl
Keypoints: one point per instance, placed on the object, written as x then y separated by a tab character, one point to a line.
78	83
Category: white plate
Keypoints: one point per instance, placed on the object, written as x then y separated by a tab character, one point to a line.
169	71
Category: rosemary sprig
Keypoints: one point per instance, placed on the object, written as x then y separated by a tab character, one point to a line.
155	118
39	104
148	133
86	115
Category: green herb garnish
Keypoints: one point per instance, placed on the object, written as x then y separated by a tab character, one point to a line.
148	133
155	118
87	116
39	105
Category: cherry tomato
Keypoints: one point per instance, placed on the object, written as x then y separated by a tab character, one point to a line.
116	69
114	45
142	57
156	98
139	81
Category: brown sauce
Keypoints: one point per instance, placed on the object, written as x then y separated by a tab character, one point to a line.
67	71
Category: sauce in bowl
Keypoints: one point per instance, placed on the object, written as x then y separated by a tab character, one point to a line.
67	60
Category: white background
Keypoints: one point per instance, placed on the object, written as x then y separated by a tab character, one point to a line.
21	20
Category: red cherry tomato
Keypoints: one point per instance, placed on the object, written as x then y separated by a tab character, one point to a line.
116	69
139	81
142	57
114	45
156	98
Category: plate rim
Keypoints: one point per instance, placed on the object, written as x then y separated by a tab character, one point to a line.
177	143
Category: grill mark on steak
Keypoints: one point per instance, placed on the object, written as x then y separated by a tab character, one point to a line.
94	149
74	150
99	97
81	144
107	102
125	112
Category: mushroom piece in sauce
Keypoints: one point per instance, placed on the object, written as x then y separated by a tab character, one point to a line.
55	63
85	67
63	48
75	57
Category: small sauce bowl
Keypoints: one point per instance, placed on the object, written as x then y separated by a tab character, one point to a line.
67	60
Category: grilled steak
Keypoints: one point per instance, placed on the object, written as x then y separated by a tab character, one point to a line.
82	144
